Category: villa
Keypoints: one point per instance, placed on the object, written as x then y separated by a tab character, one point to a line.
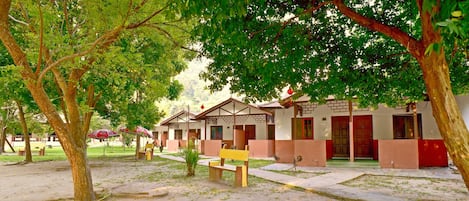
310	134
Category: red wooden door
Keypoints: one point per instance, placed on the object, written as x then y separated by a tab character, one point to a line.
340	136
164	137
250	131
363	136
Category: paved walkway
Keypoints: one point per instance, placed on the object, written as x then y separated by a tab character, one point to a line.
330	178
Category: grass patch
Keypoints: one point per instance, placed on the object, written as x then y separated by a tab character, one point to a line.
299	173
57	154
253	163
359	163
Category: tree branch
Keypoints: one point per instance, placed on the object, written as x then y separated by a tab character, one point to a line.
290	20
65	11
104	40
19	21
136	25
171	38
41	39
411	44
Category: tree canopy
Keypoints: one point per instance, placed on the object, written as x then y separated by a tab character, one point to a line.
311	47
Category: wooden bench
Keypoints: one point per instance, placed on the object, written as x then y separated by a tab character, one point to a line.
40	147
147	152
216	168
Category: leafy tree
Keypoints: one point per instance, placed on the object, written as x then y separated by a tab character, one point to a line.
15	92
378	51
70	42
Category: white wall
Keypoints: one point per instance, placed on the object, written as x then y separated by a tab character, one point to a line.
283	123
227	123
429	126
382	120
322	128
463	103
183	127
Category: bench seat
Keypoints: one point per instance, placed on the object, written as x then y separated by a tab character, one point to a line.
216	168
40	147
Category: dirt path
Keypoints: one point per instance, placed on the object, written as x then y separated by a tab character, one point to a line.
52	181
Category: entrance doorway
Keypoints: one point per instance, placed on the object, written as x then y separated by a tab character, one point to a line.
250	131
164	137
362	132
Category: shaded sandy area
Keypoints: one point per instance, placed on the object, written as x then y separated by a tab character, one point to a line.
161	179
142	180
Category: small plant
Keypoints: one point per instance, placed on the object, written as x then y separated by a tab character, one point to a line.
191	155
161	148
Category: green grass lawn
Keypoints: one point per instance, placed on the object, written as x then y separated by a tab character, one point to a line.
56	154
253	163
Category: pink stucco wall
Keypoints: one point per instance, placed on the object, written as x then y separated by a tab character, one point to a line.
173	145
312	152
401	154
284	151
212	147
261	148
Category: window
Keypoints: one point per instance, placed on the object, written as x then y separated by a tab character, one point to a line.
271	132
403	126
303	128
155	135
178	134
216	133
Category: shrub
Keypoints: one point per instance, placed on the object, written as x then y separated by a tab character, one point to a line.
191	155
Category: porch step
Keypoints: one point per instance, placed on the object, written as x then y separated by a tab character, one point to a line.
355	164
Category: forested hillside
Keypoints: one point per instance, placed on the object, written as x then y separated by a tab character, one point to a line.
195	93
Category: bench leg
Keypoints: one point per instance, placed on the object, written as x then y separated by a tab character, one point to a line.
42	151
214	174
241	177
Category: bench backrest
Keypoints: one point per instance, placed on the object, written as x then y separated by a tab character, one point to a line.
149	146
239	155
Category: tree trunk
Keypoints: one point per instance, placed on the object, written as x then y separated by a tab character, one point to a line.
446	111
24	126
137	146
81	174
2	139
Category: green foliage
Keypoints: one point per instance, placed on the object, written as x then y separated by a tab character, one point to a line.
139	60
266	49
191	156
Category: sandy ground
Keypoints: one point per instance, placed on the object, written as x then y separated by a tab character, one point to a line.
127	179
52	181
